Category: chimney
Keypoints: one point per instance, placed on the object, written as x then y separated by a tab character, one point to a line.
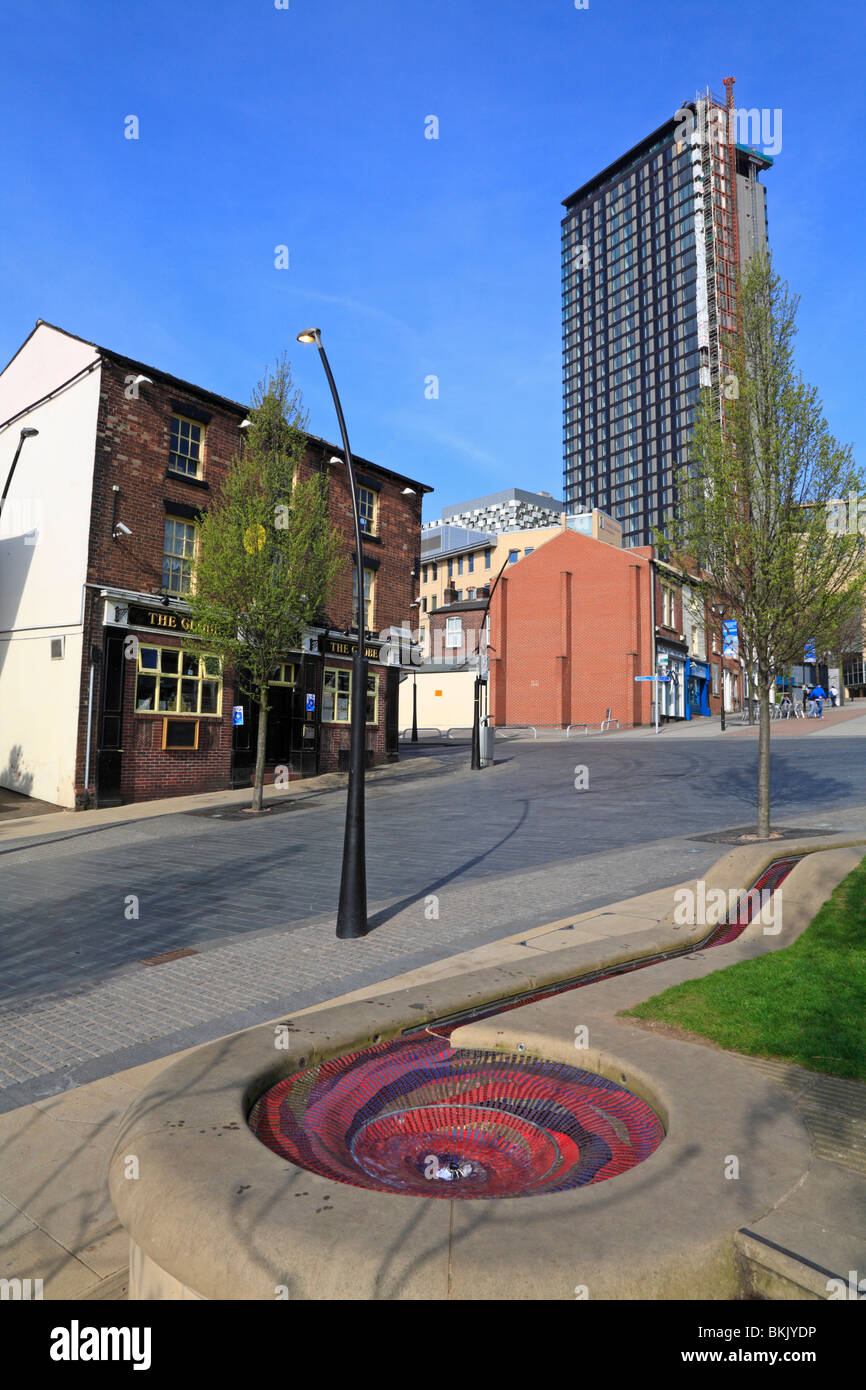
450	594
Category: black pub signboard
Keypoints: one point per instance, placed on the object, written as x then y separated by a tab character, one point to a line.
345	646
160	619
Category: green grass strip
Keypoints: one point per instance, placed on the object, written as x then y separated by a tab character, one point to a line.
804	1004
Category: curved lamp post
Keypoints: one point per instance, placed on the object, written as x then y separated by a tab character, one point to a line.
25	434
352	910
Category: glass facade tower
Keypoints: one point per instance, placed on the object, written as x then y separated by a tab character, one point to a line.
649	249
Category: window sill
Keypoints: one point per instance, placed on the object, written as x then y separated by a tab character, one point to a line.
187	478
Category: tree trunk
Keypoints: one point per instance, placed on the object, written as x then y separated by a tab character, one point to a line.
259	775
763	757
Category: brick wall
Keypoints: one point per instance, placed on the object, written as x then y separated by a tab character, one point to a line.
132	454
570	629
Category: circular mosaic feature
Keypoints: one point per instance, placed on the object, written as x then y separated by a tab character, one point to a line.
415	1117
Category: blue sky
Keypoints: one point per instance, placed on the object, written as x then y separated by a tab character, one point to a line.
305	127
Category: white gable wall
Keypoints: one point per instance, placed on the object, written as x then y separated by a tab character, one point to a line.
44	529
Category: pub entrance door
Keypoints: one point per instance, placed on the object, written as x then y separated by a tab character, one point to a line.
292	736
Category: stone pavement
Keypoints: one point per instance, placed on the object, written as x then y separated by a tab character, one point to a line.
57	1223
56	1218
455	861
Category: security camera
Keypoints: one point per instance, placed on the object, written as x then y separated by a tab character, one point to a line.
121	530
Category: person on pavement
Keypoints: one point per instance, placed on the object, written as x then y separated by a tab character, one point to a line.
834	695
818	697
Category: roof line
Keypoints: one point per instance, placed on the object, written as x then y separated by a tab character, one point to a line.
225	401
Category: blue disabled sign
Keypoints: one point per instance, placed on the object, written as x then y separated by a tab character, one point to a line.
809	652
237	714
311	704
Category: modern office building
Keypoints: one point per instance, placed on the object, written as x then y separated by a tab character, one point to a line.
513	509
650	251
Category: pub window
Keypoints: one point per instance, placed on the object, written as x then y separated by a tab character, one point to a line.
367	509
186	441
337	697
180	734
284	673
171	681
178	552
471	563
368	598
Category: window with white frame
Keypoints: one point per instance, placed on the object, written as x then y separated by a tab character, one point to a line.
369	587
453	632
185	451
178	552
367	507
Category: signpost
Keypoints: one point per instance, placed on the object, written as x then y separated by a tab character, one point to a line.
655	680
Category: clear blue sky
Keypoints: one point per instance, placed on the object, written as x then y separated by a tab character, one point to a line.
305	127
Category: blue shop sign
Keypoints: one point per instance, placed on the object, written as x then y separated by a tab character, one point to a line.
700	669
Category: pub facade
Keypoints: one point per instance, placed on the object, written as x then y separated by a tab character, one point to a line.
150	712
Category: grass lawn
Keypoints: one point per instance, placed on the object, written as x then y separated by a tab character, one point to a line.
804	1004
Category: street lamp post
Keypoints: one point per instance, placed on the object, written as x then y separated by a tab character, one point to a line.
475	759
26	433
721	610
352	910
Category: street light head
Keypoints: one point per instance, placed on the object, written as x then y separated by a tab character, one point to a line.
409	492
28	433
309	335
334	459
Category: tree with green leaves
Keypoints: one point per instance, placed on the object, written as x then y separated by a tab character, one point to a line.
752	501
267	551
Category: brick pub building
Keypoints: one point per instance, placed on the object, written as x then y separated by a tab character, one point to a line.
105	697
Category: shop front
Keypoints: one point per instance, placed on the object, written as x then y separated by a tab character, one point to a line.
169	719
697	688
671	661
309	720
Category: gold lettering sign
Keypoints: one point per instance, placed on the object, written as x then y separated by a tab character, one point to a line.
160	618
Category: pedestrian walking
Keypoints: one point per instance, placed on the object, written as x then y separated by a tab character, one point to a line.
807	702
818	697
834	695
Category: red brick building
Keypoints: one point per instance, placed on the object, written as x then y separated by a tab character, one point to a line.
573	624
152	712
570	629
